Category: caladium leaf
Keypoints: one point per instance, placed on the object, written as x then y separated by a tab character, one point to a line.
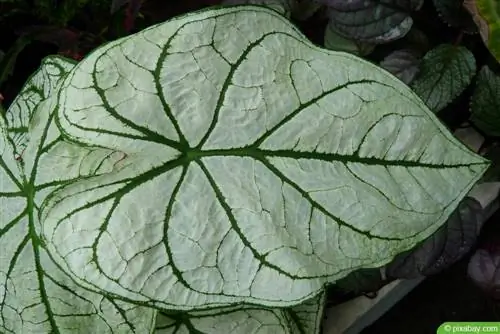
372	21
250	156
334	41
485	14
304	318
445	72
38	88
404	64
35	295
445	247
308	316
485	102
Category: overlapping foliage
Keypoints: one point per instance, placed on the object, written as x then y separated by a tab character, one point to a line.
164	181
220	176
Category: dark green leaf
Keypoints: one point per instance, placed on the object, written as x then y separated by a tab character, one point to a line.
485	104
444	73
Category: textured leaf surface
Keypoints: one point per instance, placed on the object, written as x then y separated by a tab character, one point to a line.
304	318
334	41
372	21
250	156
486	14
404	64
35	295
445	72
485	103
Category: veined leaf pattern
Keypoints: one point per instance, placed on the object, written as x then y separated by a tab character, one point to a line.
36	296
255	166
304	318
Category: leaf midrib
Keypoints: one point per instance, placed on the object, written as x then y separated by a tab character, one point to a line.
259	154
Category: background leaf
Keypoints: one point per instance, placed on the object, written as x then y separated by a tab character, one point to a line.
484	271
361	281
418	41
304	318
370	20
485	102
304	9
445	72
336	42
404	64
284	7
9	58
486	15
445	247
117	4
312	164
36	296
455	15
131	11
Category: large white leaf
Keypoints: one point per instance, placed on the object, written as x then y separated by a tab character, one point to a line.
256	167
35	295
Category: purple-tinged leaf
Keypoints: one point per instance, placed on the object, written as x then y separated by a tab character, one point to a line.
372	21
403	64
65	39
445	247
334	41
484	270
